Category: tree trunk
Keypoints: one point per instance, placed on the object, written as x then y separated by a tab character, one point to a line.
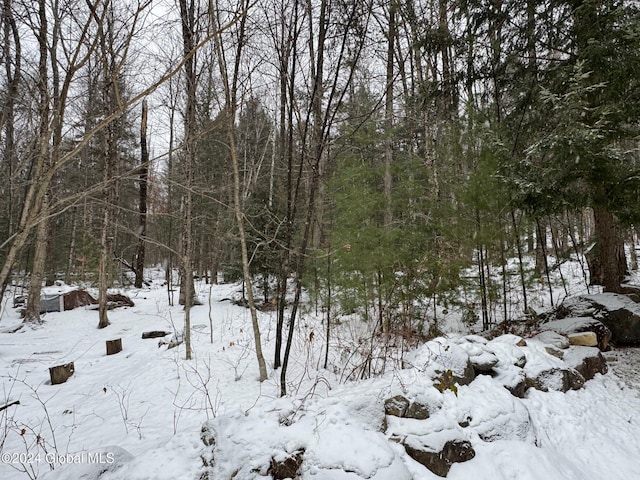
541	246
230	87
187	17
610	251
32	314
287	63
142	207
32	311
388	117
7	117
237	206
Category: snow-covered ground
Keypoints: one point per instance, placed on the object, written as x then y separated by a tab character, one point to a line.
138	414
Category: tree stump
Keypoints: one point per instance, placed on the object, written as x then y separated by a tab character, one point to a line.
114	346
60	373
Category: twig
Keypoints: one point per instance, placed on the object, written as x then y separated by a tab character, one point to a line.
4	407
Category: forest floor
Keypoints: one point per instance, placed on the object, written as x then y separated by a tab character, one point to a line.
625	362
144	407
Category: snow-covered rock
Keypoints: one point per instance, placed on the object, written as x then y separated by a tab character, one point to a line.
320	439
618	312
553	338
545	369
443	360
440	458
481	356
570	325
587	361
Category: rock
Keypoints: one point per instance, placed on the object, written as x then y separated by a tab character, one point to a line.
519	388
619	313
417	411
396	406
553	338
578	324
587	361
585	339
286	466
513	379
508	354
367	410
443	361
467	376
508	372
439	461
556	352
498	416
399	406
480	355
557	379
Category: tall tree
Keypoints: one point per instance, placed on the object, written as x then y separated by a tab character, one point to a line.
319	120
590	114
188	16
230	79
12	59
46	133
142	205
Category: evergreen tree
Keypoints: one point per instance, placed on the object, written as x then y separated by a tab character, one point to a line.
584	152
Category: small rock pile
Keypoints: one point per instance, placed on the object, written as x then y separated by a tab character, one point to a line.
454	393
546	362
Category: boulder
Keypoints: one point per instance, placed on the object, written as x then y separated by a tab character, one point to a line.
585	339
439	460
400	406
286	465
509	354
467	375
579	324
499	416
553	338
508	372
587	361
480	355
556	379
396	406
619	313
445	362
513	379
417	411
556	352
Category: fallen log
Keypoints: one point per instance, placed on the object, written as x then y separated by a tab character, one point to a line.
155	334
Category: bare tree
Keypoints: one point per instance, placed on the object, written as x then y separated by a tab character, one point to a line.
78	48
142	205
32	311
325	100
12	58
230	84
188	21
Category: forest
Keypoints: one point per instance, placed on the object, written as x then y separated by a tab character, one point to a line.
387	158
